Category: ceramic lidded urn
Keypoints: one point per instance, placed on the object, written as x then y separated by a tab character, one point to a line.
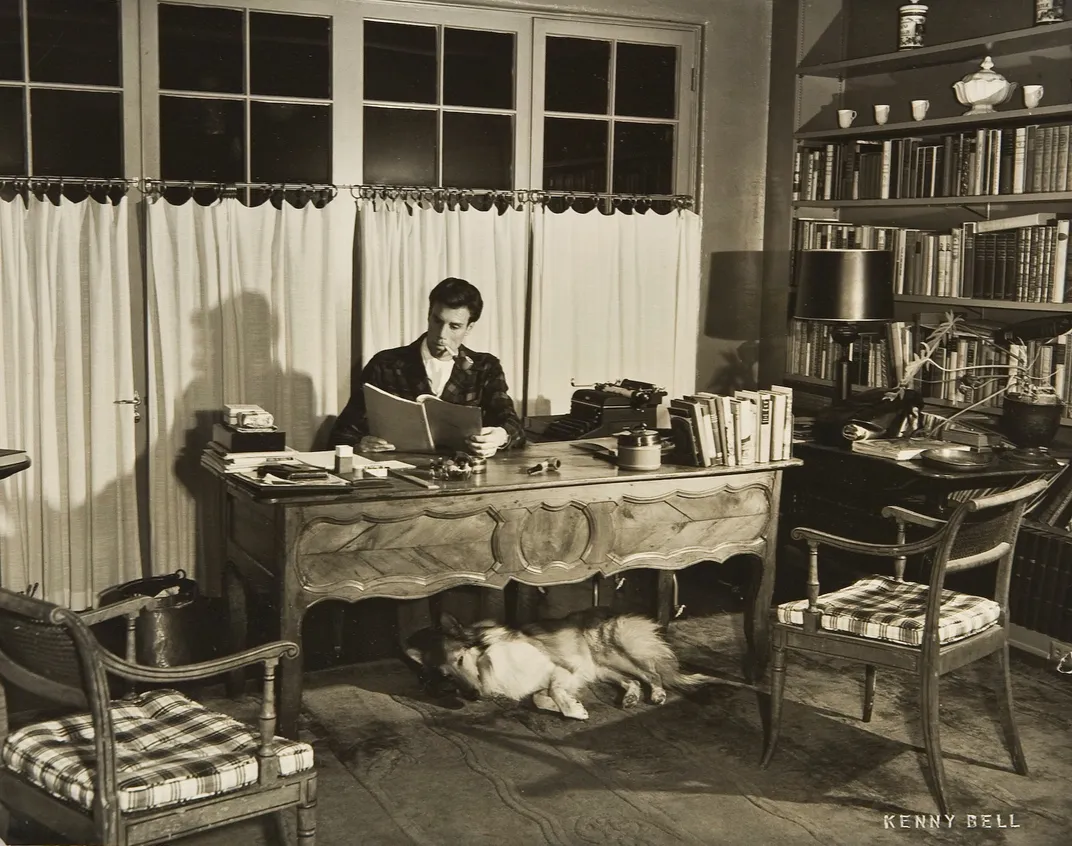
983	89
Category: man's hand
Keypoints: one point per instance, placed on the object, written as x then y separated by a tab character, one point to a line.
370	443
489	441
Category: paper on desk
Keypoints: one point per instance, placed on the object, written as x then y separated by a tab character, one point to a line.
326	459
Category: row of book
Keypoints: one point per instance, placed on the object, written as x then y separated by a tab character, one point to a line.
1024	258
811	351
1041	583
979	162
749	427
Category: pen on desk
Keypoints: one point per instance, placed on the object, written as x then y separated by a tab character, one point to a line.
417	480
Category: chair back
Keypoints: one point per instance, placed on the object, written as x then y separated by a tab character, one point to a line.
980	531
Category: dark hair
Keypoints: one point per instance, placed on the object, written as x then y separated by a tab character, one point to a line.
453	292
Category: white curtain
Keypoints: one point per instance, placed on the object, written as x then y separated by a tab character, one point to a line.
246	305
613	296
69	523
406	248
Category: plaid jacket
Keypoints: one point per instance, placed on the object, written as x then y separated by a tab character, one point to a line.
401	372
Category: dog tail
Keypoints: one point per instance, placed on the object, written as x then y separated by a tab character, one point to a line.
688	681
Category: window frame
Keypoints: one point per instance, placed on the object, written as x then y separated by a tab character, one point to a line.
128	90
461	17
685	38
530	27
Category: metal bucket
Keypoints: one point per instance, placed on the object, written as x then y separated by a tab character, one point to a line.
174	632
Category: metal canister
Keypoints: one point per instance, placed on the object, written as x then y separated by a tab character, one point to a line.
913	26
639	448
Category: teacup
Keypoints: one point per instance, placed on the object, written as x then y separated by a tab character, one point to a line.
845	117
919	109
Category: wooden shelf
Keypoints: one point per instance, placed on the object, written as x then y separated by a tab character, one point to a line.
1004	305
939	202
933	126
998	44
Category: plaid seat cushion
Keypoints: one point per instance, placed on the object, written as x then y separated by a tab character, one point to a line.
882	608
169	749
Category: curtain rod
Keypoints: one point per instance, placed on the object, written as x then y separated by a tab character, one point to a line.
358	191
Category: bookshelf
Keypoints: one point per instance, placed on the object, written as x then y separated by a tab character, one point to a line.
836	54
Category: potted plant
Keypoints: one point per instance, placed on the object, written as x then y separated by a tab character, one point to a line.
1031	407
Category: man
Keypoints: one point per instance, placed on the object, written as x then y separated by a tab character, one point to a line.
437	363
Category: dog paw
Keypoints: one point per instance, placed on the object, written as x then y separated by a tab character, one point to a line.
658	696
544	702
575	711
631	698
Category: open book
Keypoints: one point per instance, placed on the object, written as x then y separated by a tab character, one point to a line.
422	425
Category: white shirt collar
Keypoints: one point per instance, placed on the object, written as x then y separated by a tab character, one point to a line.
438	369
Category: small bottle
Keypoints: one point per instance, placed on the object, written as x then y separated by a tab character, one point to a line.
1049	11
913	26
344	460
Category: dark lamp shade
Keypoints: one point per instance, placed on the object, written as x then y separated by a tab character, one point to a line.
845	286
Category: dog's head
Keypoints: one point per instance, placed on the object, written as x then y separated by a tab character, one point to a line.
439	655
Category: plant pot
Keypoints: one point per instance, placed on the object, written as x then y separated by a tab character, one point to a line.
1031	424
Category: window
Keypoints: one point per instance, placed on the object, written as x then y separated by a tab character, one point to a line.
615	109
61	77
244	95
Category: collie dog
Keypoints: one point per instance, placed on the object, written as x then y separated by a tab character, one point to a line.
553	661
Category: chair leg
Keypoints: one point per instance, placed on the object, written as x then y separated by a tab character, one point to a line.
869	691
307	816
931	736
1005	709
778	660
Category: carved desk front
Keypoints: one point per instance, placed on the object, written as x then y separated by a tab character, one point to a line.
553	528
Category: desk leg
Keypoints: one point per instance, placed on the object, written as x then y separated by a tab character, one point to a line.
290	670
757	613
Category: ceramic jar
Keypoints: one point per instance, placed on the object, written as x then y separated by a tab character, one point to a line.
1049	11
913	26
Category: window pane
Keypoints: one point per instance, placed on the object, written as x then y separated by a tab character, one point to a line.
478	151
400	146
12	132
646	82
57	117
478	68
74	41
290	142
10	40
202	139
400	63
289	55
643	158
575	155
578	75
201	49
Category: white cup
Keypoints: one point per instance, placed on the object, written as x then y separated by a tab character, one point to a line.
845	117
919	109
1033	95
882	114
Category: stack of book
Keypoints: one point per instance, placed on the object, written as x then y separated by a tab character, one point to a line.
219	459
750	427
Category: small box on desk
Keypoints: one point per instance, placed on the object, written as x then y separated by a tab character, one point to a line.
233	439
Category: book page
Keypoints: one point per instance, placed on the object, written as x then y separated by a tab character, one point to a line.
400	421
449	423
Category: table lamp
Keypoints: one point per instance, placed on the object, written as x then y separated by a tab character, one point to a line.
850	289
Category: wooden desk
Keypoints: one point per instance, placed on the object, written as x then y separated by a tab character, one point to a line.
562	527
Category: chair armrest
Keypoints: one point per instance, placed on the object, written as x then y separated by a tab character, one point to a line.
885	550
905	515
269	655
134	605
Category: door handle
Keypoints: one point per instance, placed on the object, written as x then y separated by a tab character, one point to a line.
136	402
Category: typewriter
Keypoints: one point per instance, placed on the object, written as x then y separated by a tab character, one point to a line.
605	409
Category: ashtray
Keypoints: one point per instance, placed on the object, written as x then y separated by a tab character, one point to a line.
951	458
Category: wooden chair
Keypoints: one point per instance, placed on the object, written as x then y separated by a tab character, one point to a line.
888	622
142	769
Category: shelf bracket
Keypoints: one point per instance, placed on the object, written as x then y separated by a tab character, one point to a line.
974	210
